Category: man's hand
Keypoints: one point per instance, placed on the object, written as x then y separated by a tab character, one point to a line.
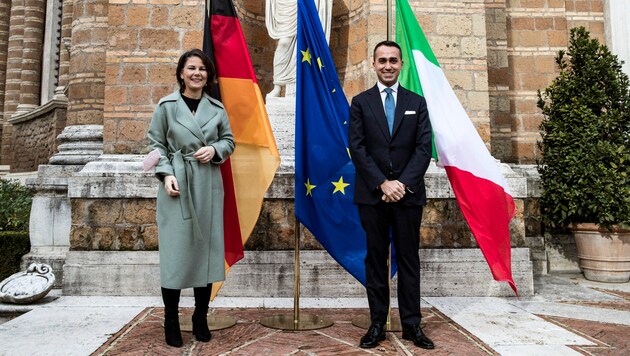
393	191
205	154
171	186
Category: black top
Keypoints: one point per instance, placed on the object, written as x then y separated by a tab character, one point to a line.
192	103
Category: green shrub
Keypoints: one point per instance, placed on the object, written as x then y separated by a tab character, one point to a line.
13	245
585	165
15	206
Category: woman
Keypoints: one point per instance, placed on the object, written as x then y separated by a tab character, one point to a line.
192	132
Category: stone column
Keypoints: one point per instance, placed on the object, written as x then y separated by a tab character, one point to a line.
498	83
32	45
5	16
82	139
82	69
86	77
617	29
64	47
13	73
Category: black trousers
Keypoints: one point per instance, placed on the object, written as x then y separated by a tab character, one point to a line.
404	223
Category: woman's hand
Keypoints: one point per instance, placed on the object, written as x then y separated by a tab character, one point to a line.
205	154
171	186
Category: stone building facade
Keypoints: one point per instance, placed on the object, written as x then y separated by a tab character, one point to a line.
79	80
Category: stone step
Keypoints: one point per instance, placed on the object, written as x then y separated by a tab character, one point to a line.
444	272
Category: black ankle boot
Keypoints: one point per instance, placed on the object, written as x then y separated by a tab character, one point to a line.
200	316
172	333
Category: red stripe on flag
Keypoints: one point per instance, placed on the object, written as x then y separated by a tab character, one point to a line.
231	226
488	210
230	50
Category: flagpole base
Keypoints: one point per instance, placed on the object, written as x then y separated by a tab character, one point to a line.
364	322
288	322
215	322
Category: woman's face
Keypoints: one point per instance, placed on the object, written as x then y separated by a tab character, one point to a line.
195	77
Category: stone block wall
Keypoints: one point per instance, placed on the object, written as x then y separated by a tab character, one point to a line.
129	224
37	134
144	41
348	44
536	31
113	225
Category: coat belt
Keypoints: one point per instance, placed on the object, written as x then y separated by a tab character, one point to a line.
183	172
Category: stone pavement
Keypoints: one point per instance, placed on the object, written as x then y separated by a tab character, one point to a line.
567	316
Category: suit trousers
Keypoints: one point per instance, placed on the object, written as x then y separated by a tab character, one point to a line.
404	223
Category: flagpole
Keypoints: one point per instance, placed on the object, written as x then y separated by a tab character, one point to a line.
296	322
389	20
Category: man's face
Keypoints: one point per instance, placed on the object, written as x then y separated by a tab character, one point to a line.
387	64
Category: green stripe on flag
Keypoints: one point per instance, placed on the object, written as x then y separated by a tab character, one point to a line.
410	37
409	33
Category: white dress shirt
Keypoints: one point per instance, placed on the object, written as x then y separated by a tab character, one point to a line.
381	89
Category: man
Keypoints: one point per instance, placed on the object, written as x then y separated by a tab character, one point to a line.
390	144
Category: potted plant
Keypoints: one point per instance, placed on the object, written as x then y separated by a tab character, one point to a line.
585	164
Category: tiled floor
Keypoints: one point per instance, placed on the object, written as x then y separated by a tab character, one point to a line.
611	339
144	336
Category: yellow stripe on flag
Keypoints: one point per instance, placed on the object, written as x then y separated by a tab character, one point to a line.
255	158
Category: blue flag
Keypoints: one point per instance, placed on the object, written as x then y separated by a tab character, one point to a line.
324	173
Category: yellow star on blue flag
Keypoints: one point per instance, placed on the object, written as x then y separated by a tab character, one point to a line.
309	187
340	186
306	56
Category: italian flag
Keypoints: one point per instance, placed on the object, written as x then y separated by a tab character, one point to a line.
251	168
480	189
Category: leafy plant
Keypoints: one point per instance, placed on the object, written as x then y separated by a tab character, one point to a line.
13	245
585	165
15	206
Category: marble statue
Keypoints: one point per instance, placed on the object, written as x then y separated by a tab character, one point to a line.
281	22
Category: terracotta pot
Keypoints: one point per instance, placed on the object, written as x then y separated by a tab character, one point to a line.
604	255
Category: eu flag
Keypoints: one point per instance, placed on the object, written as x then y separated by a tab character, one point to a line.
324	173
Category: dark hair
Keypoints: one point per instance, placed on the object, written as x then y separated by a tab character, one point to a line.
207	62
388	44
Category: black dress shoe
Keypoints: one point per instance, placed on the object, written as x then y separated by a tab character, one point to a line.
415	334
375	333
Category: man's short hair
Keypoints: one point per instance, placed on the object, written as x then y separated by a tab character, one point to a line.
387	43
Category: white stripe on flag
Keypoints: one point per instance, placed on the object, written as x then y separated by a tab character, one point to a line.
457	142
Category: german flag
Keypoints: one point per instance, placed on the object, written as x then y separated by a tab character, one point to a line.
251	168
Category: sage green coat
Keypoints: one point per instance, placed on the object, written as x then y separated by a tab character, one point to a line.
190	226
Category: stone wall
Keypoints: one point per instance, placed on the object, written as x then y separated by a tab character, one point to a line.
113	225
536	31
36	132
144	42
106	224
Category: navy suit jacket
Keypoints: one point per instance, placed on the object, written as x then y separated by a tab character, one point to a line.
404	155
